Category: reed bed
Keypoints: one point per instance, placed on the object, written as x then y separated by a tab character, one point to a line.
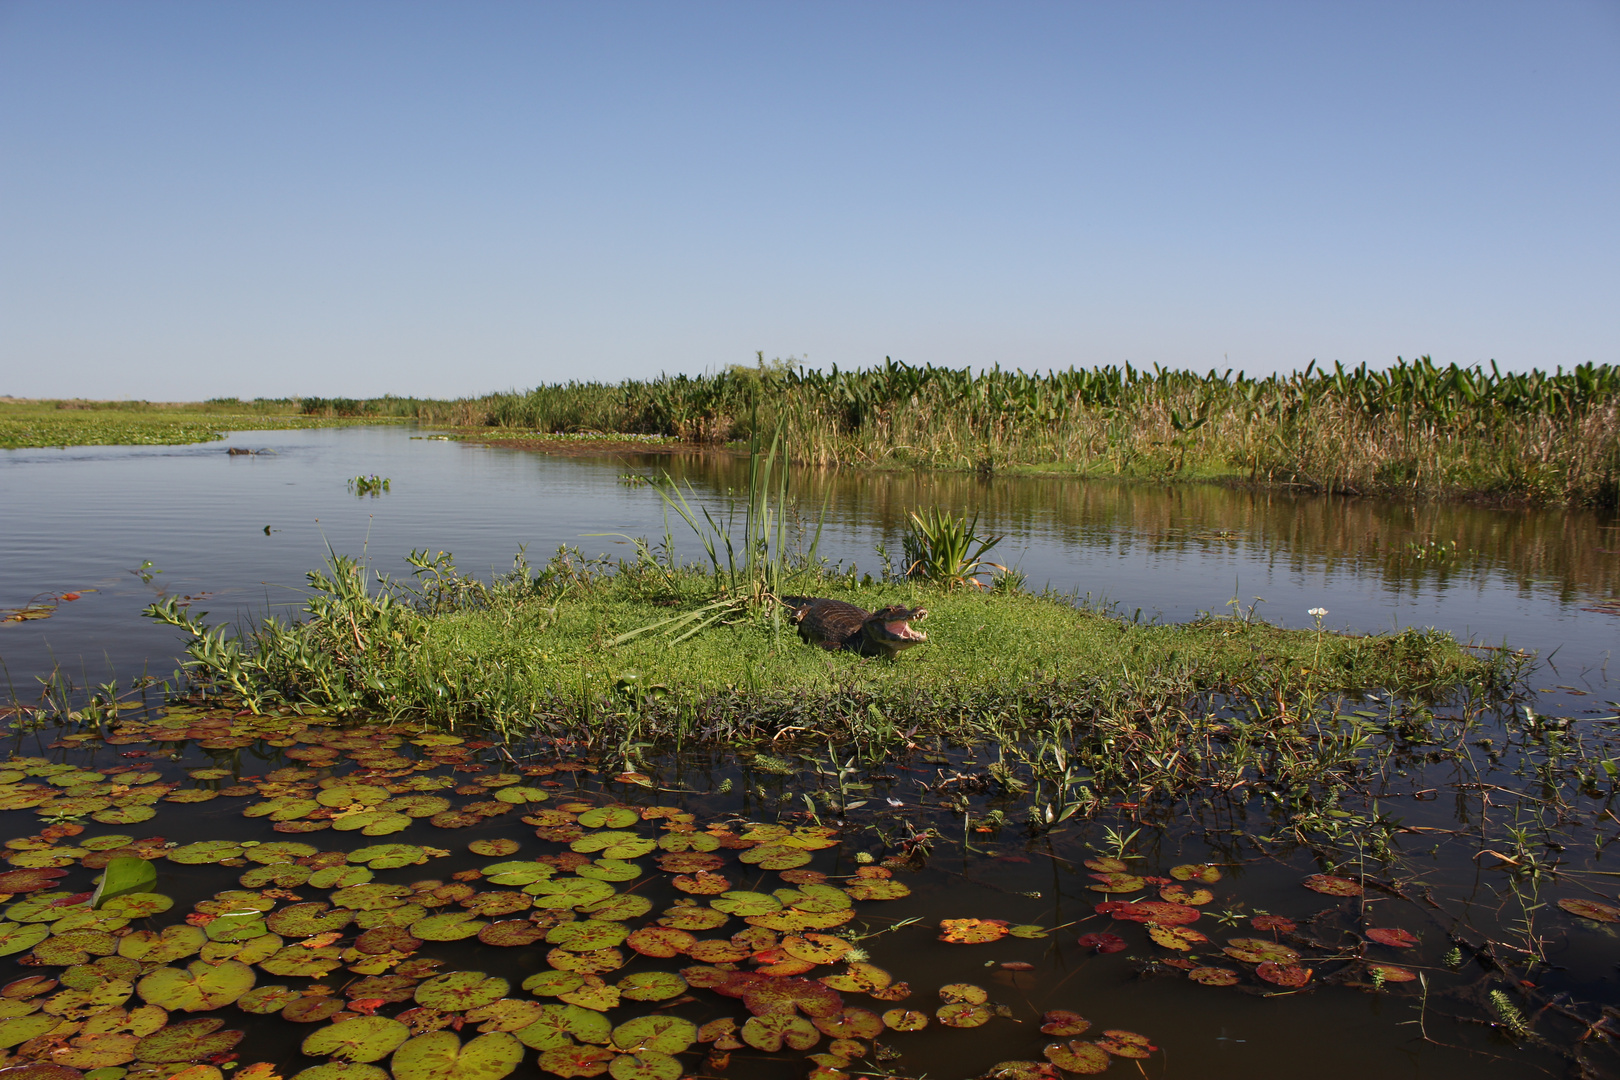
1415	429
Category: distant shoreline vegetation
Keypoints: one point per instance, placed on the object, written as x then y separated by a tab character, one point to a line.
1414	430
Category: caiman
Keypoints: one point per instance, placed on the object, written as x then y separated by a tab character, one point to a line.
833	625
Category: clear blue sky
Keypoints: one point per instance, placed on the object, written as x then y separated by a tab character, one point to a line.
278	197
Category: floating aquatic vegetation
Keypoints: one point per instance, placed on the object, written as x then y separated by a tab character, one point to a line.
627	905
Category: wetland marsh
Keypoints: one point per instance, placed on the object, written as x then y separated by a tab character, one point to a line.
1265	868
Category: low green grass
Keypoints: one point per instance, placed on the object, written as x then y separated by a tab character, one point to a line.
28	423
535	652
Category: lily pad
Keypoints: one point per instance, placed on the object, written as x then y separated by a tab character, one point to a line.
572	1061
587	935
1125	1044
665	1034
512	932
461	990
1214	976
1394	937
19	937
1284	974
772	1031
198	987
204	851
363	1039
905	1020
1207	873
188	1040
609	817
1596	910
651	986
645	1065
972	931
1077	1057
1064	1022
387	856
1332	885
1260	951
440	1055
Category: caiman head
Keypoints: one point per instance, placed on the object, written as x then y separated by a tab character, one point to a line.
889	630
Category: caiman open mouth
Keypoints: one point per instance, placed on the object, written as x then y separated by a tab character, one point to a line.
902	630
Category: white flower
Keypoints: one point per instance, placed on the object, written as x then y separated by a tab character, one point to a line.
1317	612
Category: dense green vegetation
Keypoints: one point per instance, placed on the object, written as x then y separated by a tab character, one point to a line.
1417	429
537	650
26	423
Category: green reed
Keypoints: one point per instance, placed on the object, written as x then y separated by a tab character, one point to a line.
1416	428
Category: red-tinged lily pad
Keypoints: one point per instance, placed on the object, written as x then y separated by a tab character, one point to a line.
1273	923
962	1014
1596	910
860	978
1125	1044
512	932
461	990
494	847
660	941
27	881
1392	973
384	988
1117	883
188	1040
772	1031
1180	938
1064	1022
702	883
905	1020
1332	885
572	1061
689	862
507	1014
1105	864
1207	873
440	1055
197	988
450	926
1022	1070
815	948
1214	976
1394	937
592	993
363	1038
1102	942
1282	974
972	931
1153	911
1077	1057
1260	951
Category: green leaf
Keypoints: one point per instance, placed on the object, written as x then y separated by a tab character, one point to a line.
440	1055
362	1038
123	876
197	988
665	1034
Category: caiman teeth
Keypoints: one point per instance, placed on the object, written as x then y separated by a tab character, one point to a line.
903	631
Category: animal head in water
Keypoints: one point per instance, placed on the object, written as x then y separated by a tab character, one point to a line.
890	628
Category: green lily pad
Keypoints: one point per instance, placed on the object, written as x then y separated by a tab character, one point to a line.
461	990
387	856
450	926
339	795
205	851
645	1065
75	947
665	1034
339	877
609	817
340	1070
619	908
280	875
418	806
371	896
309	919
552	983
772	1031
652	986
279	851
188	1040
198	987
568	892
587	934
282	808
614	845
362	1038
512	932
507	1014
236	926
775	857
609	870
740	902
558	1025
694	918
267	999
372	823
905	1020
1077	1056
295	961
137	905
517	872
22	1028
19	937
440	1055
572	1061
520	795
162	947
592	993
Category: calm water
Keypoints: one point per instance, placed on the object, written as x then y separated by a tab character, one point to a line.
82	519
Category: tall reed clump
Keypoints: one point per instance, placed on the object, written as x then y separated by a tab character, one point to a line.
1416	428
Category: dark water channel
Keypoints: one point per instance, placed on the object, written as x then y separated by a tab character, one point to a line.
82	520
